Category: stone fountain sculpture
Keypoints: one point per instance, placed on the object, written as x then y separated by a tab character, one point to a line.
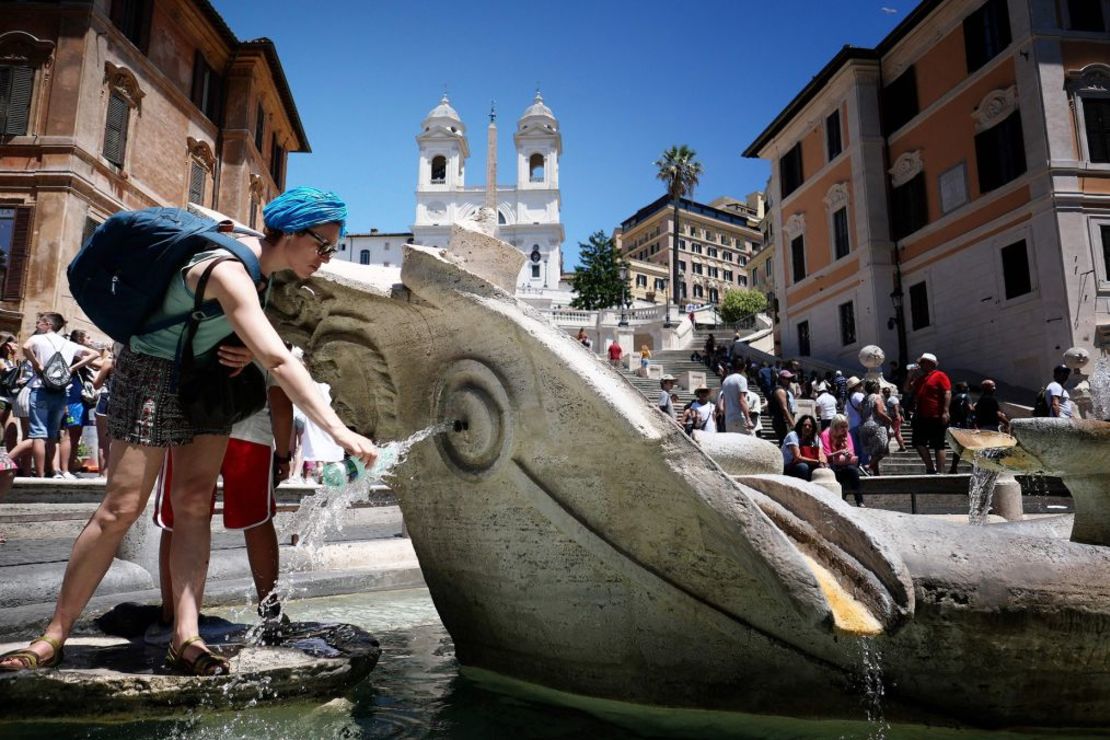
573	537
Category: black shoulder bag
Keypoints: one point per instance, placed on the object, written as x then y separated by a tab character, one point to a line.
210	396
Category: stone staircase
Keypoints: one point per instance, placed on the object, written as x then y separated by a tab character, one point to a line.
901	473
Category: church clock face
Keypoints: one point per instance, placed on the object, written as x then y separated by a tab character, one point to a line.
536	256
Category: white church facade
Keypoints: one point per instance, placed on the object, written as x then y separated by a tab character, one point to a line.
528	213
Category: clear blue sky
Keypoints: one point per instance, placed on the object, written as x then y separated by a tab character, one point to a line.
625	79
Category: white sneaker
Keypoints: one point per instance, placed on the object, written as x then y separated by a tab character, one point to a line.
69	476
58	476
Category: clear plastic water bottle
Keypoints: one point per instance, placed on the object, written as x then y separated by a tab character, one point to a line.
351	469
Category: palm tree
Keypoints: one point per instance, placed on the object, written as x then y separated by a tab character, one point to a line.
680	170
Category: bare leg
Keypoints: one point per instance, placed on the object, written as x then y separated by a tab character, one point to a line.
262	552
165	583
131	473
103	442
196	466
923	452
74	434
38	451
940	460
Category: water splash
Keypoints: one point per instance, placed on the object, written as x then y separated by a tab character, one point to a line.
1099	382
322	514
873	688
980	489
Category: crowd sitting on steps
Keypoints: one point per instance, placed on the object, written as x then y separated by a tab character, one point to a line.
855	420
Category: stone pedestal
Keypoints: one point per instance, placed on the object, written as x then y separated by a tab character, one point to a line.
691	380
140	544
653	371
827	480
1006	500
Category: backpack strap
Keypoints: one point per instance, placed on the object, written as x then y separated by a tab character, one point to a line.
193	319
212	308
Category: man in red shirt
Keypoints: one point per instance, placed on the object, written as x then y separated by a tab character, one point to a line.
932	392
615	354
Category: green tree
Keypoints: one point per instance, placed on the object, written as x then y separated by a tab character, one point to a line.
740	304
597	281
680	170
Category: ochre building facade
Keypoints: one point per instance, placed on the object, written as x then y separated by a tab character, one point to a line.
949	191
113	104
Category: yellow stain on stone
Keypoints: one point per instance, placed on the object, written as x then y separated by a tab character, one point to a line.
849	615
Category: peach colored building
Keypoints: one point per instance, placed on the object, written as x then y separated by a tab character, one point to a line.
714	242
108	105
949	191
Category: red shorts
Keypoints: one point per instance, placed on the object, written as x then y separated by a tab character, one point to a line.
248	487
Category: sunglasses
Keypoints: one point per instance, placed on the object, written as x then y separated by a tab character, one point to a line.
324	248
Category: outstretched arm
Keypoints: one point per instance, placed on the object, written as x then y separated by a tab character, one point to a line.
232	287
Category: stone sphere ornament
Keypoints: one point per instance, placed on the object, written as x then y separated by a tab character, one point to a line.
872	356
1077	358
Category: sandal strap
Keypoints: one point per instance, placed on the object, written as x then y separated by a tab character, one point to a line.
56	644
206	661
186	643
29	658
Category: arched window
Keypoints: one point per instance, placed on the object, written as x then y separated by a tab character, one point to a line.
699	292
364	257
535	168
501	218
439	169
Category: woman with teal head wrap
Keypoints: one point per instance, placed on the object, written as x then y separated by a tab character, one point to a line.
148	422
301	208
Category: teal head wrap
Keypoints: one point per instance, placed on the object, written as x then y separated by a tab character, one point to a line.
302	208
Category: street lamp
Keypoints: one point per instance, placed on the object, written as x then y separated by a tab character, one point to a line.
624	294
667	302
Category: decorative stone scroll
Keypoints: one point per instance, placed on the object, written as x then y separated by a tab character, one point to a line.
257	186
1094	78
995	107
21	48
794	225
837	197
123	81
202	152
906	167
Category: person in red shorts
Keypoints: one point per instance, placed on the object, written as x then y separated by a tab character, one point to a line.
615	353
932	392
256	460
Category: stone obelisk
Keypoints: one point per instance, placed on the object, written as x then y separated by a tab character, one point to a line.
491	169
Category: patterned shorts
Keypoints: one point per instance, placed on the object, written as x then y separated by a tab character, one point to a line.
144	408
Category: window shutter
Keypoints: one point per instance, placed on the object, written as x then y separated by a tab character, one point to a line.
200	72
17	259
259	127
1096	119
15	99
115	129
196	184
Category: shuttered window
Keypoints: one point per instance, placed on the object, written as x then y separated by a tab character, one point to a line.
115	129
847	313
791	174
1000	153
1015	270
911	207
207	88
840	233
919	306
986	33
277	163
259	127
1096	121
15	243
899	101
132	18
196	183
803	338
798	257
15	99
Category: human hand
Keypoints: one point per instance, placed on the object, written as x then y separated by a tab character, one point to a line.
235	358
358	446
281	467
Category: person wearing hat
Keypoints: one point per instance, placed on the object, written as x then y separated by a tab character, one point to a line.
703	411
782	406
932	393
666	383
988	415
1056	396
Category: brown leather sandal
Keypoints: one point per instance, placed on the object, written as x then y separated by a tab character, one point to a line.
32	661
205	664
